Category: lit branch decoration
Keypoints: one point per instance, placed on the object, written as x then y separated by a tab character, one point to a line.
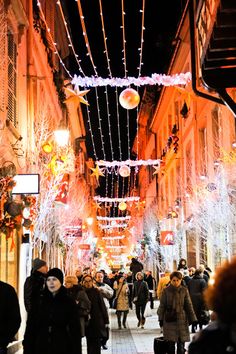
131	163
116	200
154	79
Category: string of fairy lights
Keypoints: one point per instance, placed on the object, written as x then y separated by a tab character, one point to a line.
112	167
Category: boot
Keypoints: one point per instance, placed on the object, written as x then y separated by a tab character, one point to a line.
119	320
124	319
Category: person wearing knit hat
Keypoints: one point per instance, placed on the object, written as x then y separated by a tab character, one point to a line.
35	283
54	280
53	326
37	264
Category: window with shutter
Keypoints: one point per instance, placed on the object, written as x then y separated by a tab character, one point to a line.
12	79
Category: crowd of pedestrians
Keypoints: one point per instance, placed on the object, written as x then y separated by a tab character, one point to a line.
62	310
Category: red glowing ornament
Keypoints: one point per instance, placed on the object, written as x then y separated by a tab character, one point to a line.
129	98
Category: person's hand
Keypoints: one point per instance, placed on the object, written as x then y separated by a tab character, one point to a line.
161	323
107	325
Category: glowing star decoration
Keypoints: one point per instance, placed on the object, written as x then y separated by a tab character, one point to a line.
96	206
140	206
97	172
129	98
124	171
157	169
76	96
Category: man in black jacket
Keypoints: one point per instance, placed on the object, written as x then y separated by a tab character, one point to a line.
10	318
35	283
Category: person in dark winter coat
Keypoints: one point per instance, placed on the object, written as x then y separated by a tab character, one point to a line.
99	320
10	318
219	337
53	327
76	292
107	293
151	286
176	313
140	298
135	267
182	264
34	284
196	287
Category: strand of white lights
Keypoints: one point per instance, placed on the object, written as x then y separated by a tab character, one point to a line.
119	218
91	132
89	53
112	226
114	200
51	39
116	247
154	79
142	11
105	40
110	138
101	135
119	143
107	100
130	163
78	61
111	238
124	40
142	40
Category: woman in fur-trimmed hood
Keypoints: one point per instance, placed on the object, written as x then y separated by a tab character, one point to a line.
176	313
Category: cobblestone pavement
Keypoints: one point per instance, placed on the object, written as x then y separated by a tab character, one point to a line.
132	340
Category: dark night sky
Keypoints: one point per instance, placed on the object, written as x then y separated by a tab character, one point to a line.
161	19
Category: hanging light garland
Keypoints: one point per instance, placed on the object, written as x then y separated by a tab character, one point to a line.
113	226
119	218
116	247
131	163
116	200
111	238
154	79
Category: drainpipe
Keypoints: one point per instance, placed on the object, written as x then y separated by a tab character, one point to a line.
193	58
225	97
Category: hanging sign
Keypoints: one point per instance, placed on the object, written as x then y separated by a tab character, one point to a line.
84	246
167	238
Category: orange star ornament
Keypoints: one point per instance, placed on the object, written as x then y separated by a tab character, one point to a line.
76	96
97	172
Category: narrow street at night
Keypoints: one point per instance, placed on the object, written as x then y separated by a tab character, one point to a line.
117	176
